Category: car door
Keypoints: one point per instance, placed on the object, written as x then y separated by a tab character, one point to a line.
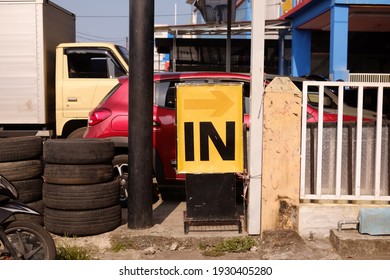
164	129
91	73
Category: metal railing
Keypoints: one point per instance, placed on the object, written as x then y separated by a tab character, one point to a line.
369	77
346	161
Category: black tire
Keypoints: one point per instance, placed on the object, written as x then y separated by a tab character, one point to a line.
21	170
78	151
37	206
65	174
20	148
82	223
31	241
77	134
81	197
29	190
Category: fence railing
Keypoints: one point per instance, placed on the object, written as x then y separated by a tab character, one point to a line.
369	78
341	160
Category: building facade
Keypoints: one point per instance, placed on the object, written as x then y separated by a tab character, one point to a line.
337	38
329	38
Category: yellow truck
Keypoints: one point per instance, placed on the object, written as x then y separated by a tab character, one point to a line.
48	82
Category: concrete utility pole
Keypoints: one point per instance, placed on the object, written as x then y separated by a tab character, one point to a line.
256	129
141	29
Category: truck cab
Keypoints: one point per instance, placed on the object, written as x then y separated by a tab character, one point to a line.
48	81
85	72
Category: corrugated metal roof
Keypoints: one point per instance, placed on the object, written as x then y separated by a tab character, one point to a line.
272	27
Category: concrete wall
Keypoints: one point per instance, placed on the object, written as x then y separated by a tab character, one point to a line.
281	155
318	219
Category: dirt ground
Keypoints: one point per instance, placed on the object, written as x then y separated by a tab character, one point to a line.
274	245
166	240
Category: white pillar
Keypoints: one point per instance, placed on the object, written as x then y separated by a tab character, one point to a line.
256	125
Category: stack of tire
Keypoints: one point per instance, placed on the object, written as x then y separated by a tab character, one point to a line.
80	194
21	163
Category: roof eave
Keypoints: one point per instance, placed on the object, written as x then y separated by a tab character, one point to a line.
290	13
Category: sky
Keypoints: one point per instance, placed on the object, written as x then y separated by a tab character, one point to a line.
109	20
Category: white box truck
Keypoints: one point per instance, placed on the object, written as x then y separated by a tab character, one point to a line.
49	83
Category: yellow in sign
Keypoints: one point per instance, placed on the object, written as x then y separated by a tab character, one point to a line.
209	128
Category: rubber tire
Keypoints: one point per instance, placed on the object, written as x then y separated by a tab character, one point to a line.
83	222
37	206
65	174
78	151
20	148
39	232
77	134
81	197
21	170
29	190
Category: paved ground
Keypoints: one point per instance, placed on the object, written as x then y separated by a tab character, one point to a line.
350	244
166	240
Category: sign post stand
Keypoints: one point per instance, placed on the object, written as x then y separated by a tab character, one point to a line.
211	200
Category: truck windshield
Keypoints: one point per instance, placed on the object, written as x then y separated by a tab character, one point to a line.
124	53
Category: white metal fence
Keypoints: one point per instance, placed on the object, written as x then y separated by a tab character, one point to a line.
346	161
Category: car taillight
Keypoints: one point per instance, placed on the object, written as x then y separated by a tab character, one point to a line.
98	115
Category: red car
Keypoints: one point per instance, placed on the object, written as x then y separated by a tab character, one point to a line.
110	119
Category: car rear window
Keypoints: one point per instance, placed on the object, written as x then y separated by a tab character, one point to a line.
111	92
161	93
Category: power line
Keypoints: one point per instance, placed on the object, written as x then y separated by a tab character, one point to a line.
99	37
103	16
105	40
178	15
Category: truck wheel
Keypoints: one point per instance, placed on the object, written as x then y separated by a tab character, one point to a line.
78	151
67	174
29	190
84	222
20	148
81	197
77	134
21	170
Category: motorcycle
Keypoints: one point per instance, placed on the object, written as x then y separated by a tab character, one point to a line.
19	239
